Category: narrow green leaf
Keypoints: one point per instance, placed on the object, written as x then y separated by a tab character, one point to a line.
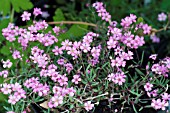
139	72
135	93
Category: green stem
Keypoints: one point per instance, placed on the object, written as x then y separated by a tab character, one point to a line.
12	15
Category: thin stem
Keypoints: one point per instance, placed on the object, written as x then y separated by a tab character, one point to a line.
91	98
73	22
12	15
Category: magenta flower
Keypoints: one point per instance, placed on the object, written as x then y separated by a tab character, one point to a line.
156	103
148	86
25	16
76	79
16	55
37	11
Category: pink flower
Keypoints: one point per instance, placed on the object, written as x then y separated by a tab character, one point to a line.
25	16
57	90
164	104
66	44
69	67
111	77
146	29
165	96
156	103
37	11
4	73
16	55
10	112
12	99
155	39
88	106
61	61
45	14
148	86
16	86
95	52
87	39
85	47
6	89
111	43
71	91
154	93
76	79
56	30
153	56
7	64
76	44
50	104
63	80
57	100
118	62
117	78
162	16
57	50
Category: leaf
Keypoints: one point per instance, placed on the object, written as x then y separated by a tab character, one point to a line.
134	108
59	16
165	5
5	50
74	31
139	72
141	61
5	7
3	24
134	93
19	5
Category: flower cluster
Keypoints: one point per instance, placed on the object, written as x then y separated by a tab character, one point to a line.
36	86
160	69
15	90
102	11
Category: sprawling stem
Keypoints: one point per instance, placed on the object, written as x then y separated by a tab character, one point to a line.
73	22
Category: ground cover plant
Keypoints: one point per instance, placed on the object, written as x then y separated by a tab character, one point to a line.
75	75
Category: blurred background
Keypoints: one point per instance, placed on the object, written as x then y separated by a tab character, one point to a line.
80	10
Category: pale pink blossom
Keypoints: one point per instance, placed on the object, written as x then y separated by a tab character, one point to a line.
88	105
25	16
148	86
